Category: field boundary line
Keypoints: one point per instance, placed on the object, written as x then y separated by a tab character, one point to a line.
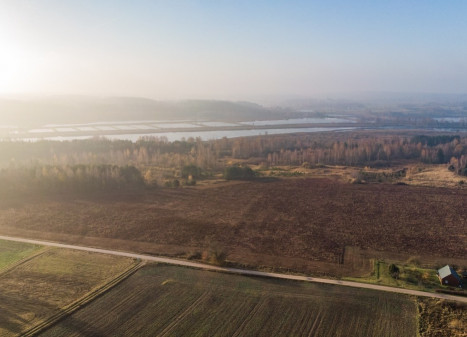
81	302
245	272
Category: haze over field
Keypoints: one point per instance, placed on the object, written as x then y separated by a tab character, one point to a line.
263	51
233	167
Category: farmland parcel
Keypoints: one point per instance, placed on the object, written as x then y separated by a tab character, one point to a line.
161	300
304	225
33	291
14	252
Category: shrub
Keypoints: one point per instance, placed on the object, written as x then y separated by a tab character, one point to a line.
191	170
238	173
190	182
215	256
394	270
172	183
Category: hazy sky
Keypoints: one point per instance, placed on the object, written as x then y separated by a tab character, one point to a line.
231	49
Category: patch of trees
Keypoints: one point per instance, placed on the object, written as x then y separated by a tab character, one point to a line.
459	165
152	151
239	173
434	140
77	178
380	176
194	156
368	152
191	171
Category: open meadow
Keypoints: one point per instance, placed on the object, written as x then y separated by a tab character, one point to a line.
41	287
175	301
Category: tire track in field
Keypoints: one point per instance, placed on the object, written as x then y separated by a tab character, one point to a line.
319	318
238	311
304	323
250	316
169	328
112	316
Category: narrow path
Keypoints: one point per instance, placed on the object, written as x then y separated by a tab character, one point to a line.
241	271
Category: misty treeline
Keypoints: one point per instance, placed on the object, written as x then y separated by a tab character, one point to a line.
356	150
375	151
353	149
148	151
77	178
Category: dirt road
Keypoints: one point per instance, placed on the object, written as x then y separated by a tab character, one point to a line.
241	271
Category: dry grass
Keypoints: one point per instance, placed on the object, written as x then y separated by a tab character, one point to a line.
343	173
434	176
417	174
439	318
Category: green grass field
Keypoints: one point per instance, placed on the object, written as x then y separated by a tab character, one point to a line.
410	277
12	252
161	300
35	290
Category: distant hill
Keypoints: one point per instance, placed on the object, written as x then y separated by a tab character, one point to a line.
362	103
81	109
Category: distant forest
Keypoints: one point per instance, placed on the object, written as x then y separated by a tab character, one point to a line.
76	178
99	162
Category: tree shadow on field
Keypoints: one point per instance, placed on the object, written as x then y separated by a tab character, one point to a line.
265	179
14	310
265	282
14	313
11	321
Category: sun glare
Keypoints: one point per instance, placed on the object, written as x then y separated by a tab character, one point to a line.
24	70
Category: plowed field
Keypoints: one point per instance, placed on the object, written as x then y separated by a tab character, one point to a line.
301	224
173	301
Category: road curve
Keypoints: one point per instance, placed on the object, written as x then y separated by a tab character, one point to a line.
240	271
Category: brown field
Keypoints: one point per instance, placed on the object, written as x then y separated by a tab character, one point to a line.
320	226
35	290
174	301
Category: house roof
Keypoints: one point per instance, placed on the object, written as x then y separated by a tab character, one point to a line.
446	271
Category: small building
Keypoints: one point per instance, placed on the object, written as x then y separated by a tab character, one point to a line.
448	277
